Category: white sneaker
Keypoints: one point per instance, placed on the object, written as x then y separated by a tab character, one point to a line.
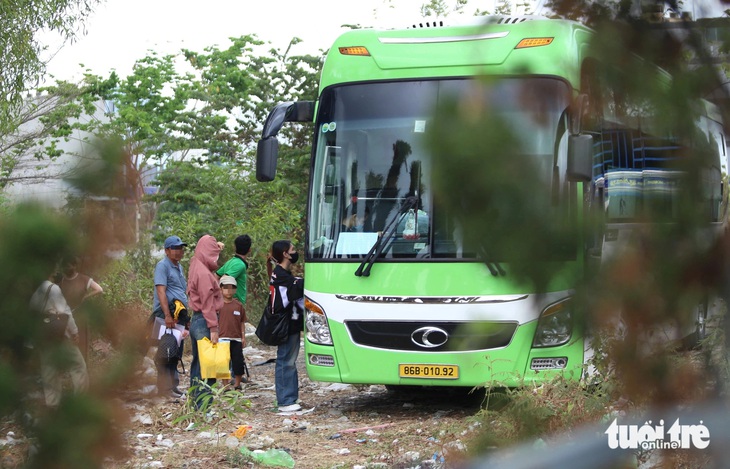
290	408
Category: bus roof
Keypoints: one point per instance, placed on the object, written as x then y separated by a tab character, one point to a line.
485	45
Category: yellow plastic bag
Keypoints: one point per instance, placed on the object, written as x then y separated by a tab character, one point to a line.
214	359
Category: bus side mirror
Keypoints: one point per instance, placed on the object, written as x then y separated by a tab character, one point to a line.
580	158
301	111
267	153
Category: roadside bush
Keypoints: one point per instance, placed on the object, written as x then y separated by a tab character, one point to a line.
515	415
129	279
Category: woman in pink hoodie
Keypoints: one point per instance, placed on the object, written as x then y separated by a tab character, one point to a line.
205	300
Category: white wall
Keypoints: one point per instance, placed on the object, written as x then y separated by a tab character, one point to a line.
42	180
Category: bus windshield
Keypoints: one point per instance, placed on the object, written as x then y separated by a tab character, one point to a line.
371	174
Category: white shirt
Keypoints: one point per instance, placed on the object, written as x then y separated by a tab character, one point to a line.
56	303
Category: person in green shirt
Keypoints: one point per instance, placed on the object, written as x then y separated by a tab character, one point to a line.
237	266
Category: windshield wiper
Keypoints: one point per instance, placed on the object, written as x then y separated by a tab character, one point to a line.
382	242
495	268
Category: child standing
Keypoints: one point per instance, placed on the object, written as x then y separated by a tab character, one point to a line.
231	325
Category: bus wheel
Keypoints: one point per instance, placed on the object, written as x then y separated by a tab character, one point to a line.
702	321
700	333
694	339
399	388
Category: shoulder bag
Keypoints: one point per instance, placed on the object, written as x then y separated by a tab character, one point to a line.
273	329
54	324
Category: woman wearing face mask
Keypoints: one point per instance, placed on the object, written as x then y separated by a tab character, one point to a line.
287	294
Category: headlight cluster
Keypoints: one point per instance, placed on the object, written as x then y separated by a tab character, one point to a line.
318	331
555	325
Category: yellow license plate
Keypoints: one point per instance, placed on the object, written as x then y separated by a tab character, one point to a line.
412	370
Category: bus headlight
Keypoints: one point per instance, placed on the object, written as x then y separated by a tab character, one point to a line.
318	331
555	325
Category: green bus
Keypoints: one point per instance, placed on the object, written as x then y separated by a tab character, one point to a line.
393	295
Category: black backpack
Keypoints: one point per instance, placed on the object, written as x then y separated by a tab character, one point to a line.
167	350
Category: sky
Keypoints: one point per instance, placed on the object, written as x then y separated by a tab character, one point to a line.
119	32
122	31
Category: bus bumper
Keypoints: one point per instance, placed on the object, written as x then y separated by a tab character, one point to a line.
515	365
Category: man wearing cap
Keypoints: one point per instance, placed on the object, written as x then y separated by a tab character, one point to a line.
170	285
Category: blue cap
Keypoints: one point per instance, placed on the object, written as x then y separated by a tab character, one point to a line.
173	241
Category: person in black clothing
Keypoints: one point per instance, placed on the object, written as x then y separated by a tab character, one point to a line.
287	294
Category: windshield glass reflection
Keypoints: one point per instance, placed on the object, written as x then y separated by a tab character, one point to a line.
371	158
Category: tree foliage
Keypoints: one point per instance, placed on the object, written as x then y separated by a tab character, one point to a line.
20	50
440	8
192	121
147	109
217	193
225	202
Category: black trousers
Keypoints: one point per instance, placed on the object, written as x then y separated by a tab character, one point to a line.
237	358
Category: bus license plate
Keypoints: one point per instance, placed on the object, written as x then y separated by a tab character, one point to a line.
410	370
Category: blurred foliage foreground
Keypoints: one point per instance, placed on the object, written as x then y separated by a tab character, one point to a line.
86	428
654	284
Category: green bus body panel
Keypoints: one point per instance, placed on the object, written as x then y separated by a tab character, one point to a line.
425	279
467	57
505	367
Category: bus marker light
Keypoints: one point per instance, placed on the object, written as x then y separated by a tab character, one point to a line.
312	306
534	42
355	50
556	363
321	360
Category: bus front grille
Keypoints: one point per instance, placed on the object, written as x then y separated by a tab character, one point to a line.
436	336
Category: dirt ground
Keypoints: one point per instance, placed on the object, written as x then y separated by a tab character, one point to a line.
340	425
